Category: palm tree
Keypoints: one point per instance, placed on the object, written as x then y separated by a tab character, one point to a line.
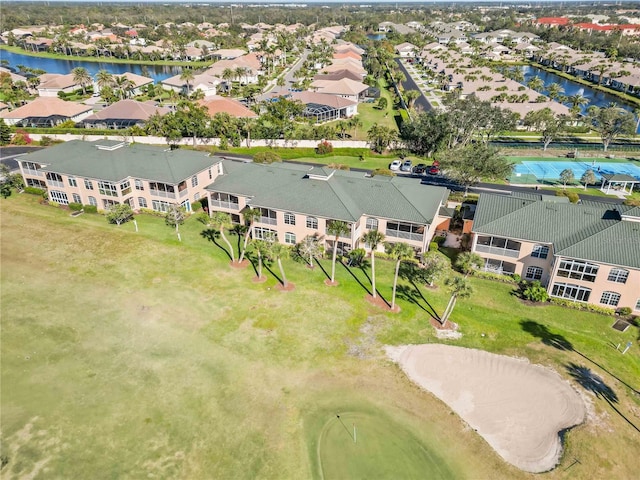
104	78
555	90
399	252
122	85
278	251
636	112
459	288
578	100
240	72
227	75
82	77
467	262
373	238
337	229
260	247
355	123
535	83
187	77
250	216
411	96
221	221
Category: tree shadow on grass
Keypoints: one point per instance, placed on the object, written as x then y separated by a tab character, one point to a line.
547	337
326	274
366	289
362	269
213	235
596	385
268	268
414	295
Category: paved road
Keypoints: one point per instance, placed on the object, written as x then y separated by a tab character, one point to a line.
274	89
421	102
8	154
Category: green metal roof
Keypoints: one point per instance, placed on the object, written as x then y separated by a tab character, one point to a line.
114	161
592	231
334	194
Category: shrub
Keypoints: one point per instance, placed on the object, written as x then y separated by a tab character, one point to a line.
34	190
339	166
517	278
433	246
47	141
54	204
573	197
75	207
494	276
149	211
266	157
357	256
21	138
624	311
535	292
90	209
582	306
439	240
196	205
324	147
382	171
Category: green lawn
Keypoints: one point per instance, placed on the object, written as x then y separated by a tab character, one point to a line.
134	355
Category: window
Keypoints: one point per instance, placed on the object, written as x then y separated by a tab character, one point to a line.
289	219
571	292
210	176
59	197
72	182
610	298
125	187
540	251
618	275
160	206
54	179
578	270
372	224
162	189
533	273
30	168
498	246
139	185
501	267
194	181
93	201
107	188
76	198
637	307
186	205
31	182
196	197
312	222
142	202
107	204
88	184
290	238
264	233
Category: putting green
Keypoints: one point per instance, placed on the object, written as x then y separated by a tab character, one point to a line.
380	448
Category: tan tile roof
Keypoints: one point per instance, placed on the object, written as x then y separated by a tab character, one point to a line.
128	110
323	99
46	107
137	80
345	86
59	81
217	104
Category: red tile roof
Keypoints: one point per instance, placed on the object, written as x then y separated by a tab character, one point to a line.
552	21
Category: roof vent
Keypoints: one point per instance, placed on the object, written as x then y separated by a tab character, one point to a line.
314	176
110	145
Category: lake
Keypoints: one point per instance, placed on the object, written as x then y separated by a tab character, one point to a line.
54	65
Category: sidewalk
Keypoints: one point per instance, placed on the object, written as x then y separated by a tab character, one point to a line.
433	99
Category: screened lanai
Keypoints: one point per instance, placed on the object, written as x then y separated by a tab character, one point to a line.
321	113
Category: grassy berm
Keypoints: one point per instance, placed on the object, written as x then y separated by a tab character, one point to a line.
132	355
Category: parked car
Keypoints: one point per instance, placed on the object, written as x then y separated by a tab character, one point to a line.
406	166
420	169
434	170
395	165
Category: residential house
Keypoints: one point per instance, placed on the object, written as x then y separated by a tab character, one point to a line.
584	253
550	22
344	87
46	112
108	172
406	49
124	114
296	201
217	104
207	84
53	83
323	107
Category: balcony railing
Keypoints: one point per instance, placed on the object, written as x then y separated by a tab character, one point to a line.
229	205
184	192
34	173
160	193
268	220
503	252
55	183
417	237
333	235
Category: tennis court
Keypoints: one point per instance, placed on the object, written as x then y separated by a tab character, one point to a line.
545	170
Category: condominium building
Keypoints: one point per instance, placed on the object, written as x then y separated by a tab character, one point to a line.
589	252
106	172
298	200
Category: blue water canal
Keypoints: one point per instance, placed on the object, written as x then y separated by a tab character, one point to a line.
54	65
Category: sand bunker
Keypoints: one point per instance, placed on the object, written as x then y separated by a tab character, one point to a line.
518	408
